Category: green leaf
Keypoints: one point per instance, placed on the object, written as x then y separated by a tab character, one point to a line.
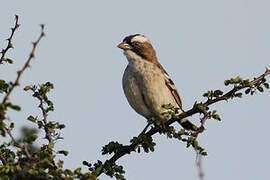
11	125
168	106
204	153
26	88
61	126
10	61
3	86
218	93
260	88
238	79
266	85
65	153
32	119
78	171
207	94
15	107
246	82
238	95
227	82
247	90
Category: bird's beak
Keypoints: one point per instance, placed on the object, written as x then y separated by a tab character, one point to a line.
124	46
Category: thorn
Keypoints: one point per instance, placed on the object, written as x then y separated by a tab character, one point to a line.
195	103
42	26
32	55
10	45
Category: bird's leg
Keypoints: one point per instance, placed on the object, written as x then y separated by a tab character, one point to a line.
144	130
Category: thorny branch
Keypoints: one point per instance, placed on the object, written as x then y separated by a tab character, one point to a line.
26	65
16	83
129	148
9	46
48	135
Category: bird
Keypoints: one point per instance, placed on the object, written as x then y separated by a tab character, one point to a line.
146	84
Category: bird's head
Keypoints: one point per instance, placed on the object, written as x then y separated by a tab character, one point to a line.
138	46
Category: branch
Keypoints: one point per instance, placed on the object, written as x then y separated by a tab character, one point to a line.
16	83
235	89
199	165
16	144
129	148
9	46
48	135
26	65
3	159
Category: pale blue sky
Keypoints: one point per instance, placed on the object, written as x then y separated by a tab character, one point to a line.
199	42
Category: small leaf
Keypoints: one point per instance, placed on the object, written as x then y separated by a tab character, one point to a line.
238	95
227	82
10	61
266	85
238	79
63	152
32	119
11	125
248	90
260	88
26	88
78	171
61	126
218	93
15	107
204	153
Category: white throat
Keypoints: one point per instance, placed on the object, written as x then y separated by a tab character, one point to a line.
131	56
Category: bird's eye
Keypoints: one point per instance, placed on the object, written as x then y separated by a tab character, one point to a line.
136	43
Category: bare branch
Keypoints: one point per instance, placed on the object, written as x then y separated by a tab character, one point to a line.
26	65
9	46
199	165
16	144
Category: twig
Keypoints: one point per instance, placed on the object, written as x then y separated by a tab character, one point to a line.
9	46
201	128
3	159
235	89
129	148
16	144
144	130
48	135
26	65
199	165
16	83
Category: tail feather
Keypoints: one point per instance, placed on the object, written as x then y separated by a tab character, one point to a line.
186	124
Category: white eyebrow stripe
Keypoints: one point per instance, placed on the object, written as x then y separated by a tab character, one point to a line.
140	38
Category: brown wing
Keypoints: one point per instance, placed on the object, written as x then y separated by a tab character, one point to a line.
169	83
173	90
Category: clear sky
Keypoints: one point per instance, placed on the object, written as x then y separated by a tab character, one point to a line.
199	42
